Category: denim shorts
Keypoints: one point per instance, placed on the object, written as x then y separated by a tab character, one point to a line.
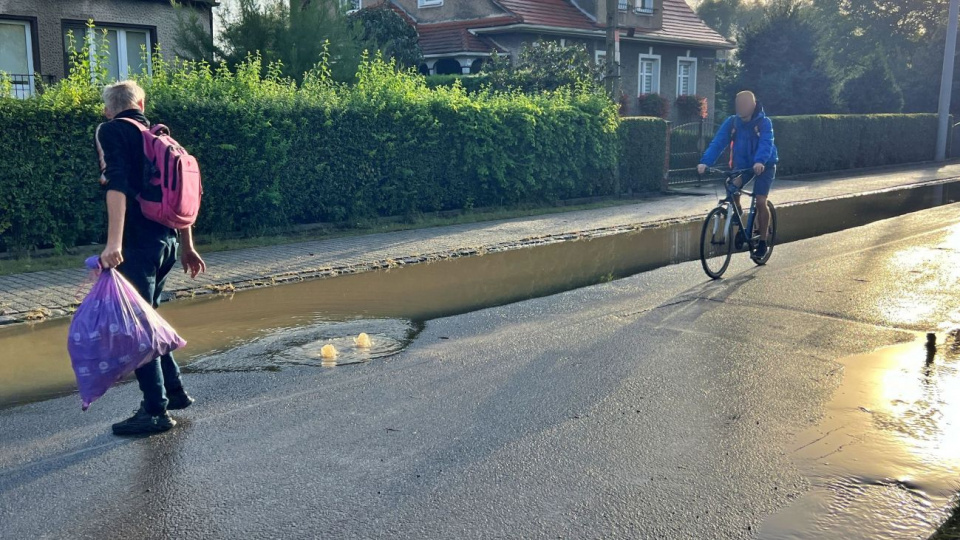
763	183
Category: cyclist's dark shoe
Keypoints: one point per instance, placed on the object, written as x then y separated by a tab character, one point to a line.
761	250
143	423
178	399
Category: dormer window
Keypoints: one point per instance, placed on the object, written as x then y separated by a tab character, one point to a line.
643	7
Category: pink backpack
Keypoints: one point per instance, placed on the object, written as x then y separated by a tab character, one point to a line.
176	173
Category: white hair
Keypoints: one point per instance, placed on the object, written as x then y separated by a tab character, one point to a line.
122	95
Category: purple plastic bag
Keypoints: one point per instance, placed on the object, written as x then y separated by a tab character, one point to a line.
114	332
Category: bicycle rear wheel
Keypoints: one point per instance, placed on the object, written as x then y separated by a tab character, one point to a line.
771	236
716	246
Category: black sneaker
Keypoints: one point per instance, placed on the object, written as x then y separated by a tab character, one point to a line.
178	400
761	250
143	423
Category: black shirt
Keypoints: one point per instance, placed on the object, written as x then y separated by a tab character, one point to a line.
120	147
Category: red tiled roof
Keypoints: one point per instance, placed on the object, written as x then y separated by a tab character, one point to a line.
560	13
451	37
682	24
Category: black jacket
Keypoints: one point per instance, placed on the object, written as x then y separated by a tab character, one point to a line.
120	147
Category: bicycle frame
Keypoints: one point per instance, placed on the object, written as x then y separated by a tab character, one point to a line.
730	202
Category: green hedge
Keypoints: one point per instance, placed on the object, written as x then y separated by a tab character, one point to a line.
470	83
643	143
823	143
274	155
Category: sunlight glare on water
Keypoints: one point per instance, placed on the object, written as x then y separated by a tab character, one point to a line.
885	460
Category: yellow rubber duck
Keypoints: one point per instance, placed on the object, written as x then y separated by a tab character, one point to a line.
363	341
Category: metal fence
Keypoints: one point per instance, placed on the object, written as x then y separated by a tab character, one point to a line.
687	143
25	86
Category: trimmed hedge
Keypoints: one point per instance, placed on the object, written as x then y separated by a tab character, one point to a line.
275	155
824	143
643	148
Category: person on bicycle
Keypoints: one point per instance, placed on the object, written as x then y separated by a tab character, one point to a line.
749	134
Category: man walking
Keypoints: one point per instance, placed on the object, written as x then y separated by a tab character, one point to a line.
143	251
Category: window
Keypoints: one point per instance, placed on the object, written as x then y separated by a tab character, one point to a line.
429	3
649	72
129	50
16	56
644	7
686	76
352	5
600	57
623	5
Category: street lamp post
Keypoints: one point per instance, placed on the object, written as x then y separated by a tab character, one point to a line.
946	81
612	71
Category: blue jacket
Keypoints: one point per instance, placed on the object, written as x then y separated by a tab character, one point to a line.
753	144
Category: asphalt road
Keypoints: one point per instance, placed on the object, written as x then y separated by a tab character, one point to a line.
659	406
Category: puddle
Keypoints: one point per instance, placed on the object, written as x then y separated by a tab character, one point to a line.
34	364
885	460
302	346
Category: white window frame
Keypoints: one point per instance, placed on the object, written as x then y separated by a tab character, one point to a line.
644	7
429	3
693	74
623	5
352	5
657	75
599	56
31	86
122	68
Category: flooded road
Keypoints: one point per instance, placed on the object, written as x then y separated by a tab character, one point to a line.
33	363
885	461
660	406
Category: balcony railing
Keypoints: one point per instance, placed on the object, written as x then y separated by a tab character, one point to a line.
25	86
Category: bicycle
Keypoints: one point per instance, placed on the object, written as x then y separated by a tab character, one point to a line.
723	227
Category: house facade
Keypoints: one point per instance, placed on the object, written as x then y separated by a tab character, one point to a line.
34	42
664	47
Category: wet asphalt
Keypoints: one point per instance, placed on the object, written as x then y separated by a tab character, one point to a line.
658	406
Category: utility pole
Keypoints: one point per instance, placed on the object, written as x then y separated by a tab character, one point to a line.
946	81
612	78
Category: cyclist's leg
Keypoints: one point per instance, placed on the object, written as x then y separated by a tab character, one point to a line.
762	187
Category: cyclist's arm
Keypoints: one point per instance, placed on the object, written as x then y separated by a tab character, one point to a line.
720	142
765	148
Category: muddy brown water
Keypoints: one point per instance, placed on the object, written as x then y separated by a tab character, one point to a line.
885	460
34	364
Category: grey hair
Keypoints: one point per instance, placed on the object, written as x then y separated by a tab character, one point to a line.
122	95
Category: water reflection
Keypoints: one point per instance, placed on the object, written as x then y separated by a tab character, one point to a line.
885	460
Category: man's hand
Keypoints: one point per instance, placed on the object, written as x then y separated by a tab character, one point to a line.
758	169
701	168
112	256
192	263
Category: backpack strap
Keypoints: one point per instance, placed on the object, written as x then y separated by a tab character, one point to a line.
140	126
733	137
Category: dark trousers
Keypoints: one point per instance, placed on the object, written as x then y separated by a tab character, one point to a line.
146	267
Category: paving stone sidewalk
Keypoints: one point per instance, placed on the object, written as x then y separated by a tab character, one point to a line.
47	294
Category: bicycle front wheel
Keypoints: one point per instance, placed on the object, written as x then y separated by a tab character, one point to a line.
716	246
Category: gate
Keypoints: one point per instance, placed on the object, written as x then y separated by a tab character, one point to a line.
687	143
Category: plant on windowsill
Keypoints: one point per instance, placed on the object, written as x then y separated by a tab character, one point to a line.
691	108
653	105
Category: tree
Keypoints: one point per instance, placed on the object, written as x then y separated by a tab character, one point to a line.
545	66
383	29
729	16
780	61
910	32
873	89
296	34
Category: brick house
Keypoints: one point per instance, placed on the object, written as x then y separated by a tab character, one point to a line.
664	47
33	43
